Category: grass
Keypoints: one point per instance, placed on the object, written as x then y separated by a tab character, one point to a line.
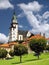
27	60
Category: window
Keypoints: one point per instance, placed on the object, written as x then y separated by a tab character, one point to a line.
20	37
13	36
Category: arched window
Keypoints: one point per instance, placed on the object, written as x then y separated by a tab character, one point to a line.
20	37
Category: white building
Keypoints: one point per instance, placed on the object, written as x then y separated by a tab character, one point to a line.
16	34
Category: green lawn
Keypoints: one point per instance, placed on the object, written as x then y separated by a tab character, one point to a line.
27	60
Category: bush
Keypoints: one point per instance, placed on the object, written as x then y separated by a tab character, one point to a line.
11	53
20	41
3	53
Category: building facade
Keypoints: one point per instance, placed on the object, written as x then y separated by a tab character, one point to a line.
16	34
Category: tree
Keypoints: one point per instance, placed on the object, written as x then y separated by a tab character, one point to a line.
37	45
11	53
3	53
20	50
47	48
20	41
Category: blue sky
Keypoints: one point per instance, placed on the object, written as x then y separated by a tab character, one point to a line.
32	15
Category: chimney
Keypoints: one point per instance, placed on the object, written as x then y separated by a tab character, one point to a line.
40	33
44	34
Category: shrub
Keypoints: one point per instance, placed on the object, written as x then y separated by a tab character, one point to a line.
3	53
11	53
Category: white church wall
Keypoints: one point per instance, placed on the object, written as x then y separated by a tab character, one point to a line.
28	34
20	37
14	33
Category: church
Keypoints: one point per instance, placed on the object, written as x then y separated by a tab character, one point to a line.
16	34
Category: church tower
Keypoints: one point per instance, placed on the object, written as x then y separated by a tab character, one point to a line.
13	35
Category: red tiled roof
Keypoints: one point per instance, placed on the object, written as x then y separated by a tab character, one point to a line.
24	43
37	36
12	43
47	38
7	45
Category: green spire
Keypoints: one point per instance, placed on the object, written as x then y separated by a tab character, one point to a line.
14	16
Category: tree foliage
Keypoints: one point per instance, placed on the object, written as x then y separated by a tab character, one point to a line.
47	47
11	53
37	45
3	53
20	50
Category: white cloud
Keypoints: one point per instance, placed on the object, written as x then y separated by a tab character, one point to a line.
4	4
3	38
32	6
20	26
46	15
32	19
39	23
